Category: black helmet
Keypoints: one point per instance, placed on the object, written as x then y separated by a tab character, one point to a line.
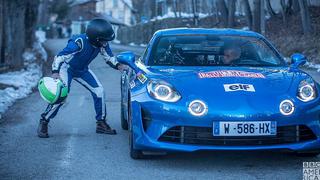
99	30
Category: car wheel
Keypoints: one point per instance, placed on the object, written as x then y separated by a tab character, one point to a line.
306	154
124	122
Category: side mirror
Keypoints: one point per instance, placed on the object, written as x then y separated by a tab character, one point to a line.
128	58
298	60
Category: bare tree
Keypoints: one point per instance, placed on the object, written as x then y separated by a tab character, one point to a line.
256	25
269	8
248	12
231	11
1	34
222	8
174	5
178	7
305	17
262	17
284	11
195	12
295	6
30	16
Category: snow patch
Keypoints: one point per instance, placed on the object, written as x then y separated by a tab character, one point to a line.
245	28
19	84
116	41
136	45
313	66
183	15
41	36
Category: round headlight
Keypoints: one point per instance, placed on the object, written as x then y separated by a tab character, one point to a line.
197	108
286	107
163	91
306	93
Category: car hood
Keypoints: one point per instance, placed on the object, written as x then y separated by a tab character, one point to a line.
213	84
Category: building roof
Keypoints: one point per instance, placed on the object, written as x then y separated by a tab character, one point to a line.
109	18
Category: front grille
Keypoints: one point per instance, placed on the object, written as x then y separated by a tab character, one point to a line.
203	136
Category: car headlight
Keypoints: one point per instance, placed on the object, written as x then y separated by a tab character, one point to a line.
307	90
162	91
286	107
197	108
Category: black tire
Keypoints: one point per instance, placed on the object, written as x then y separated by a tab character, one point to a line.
306	154
124	122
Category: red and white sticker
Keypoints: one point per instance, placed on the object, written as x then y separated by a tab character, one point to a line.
229	73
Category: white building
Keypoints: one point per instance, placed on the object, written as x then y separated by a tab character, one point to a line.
118	9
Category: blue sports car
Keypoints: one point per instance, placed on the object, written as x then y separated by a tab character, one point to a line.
217	89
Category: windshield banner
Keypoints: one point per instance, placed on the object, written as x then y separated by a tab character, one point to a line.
229	73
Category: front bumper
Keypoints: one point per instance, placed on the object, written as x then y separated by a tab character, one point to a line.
148	136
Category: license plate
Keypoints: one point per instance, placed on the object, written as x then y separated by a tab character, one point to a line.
249	128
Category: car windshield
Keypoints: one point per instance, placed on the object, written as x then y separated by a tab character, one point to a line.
213	50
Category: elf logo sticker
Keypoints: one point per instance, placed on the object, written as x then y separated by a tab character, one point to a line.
238	87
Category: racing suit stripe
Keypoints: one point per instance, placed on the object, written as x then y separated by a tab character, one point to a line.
73	47
52	110
109	57
103	96
90	82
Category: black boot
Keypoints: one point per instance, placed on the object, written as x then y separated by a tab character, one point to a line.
104	128
43	128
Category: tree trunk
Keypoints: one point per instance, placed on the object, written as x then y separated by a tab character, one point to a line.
283	12
174	5
14	33
178	5
305	17
1	34
262	18
152	9
257	15
231	11
30	21
222	8
295	6
195	13
270	9
248	12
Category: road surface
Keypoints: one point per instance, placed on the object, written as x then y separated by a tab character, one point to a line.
75	151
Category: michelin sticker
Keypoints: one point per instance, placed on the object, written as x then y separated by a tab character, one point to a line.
229	73
239	87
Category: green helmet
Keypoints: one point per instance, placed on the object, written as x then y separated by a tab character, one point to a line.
52	90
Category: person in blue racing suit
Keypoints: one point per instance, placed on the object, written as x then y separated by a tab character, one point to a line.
72	63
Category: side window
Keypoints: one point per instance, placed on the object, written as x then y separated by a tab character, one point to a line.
265	53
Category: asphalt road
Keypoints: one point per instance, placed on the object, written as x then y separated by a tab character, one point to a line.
75	151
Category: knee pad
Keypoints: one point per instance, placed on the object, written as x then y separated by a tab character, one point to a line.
99	91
